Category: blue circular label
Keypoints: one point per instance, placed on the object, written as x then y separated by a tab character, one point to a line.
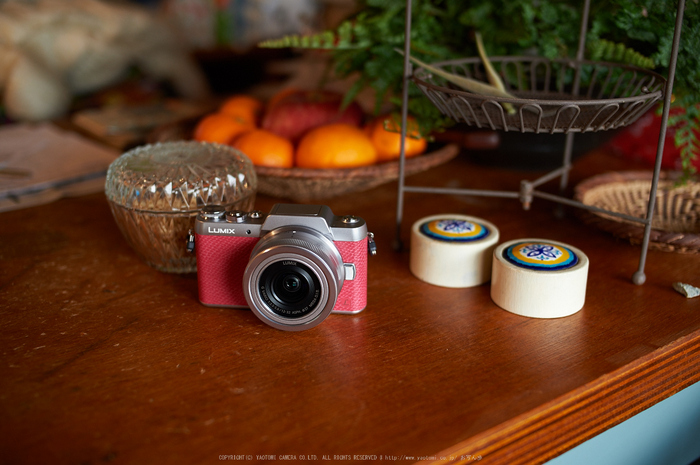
454	230
540	256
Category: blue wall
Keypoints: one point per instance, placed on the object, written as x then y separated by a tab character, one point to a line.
667	433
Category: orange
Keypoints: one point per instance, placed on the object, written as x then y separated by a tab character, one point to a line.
265	148
336	145
242	106
217	127
385	134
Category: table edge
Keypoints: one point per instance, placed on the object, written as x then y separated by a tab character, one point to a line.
555	427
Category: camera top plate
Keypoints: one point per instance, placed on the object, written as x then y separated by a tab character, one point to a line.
319	218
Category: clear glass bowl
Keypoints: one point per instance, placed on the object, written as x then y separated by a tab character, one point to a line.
155	192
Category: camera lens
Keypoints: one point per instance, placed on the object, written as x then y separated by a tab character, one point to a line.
293	278
289	288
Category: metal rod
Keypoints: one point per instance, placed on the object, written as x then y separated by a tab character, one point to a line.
547	177
639	277
454	191
581	45
566	163
569	143
576	203
407	71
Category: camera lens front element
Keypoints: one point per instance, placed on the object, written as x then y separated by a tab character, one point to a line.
293	278
291	283
289	288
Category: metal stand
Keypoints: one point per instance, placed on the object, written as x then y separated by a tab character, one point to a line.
620	112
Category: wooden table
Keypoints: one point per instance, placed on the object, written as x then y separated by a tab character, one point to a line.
106	359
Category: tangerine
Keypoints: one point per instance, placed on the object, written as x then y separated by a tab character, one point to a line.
265	148
243	106
220	128
336	145
385	134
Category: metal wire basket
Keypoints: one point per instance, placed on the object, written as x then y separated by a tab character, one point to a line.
550	97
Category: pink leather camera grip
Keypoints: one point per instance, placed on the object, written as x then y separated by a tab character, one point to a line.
221	262
353	296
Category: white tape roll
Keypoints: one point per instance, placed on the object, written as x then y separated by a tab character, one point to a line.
452	250
539	278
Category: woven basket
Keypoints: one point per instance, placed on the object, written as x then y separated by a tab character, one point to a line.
303	185
676	221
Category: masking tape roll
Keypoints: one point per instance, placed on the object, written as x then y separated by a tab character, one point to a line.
539	278
452	250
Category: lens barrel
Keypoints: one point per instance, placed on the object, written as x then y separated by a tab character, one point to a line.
293	278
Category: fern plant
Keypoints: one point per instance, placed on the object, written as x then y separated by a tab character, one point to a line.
617	52
687	126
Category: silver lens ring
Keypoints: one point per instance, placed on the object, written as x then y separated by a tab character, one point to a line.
304	255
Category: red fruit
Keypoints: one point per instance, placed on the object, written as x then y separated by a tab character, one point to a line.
300	111
639	142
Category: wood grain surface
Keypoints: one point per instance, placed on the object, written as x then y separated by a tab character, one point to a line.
105	359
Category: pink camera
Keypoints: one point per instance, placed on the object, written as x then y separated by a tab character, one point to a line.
292	267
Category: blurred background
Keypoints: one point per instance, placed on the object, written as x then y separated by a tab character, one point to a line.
57	56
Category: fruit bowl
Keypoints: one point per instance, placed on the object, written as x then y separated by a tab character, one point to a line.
303	184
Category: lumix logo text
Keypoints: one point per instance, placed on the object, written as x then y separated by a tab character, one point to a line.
221	230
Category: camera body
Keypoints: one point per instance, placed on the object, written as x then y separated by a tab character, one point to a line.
292	266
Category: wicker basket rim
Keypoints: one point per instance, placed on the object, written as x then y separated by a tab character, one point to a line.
661	238
612	177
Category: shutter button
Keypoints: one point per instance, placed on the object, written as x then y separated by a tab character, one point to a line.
237	216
